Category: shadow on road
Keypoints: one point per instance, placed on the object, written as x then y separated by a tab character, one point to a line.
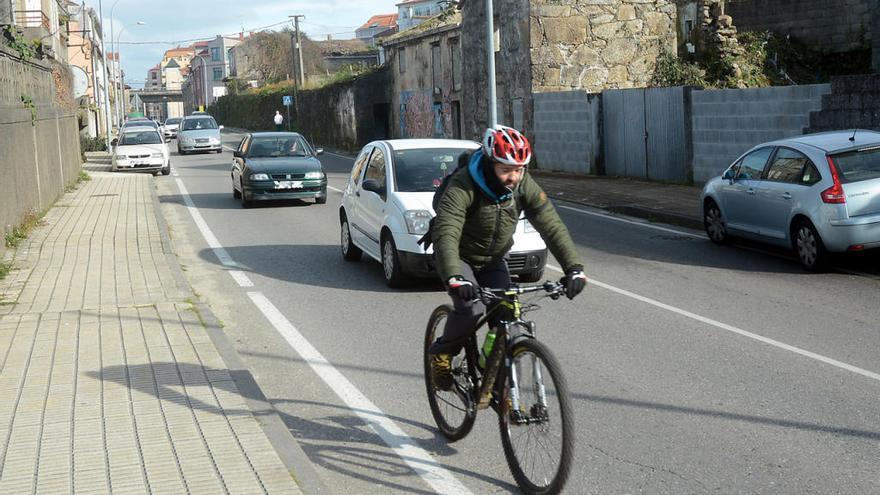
320	265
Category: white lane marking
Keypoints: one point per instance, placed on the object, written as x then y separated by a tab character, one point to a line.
241	278
229	148
334	189
440	479
212	241
631	222
733	329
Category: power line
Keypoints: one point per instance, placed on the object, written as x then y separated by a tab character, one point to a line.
204	38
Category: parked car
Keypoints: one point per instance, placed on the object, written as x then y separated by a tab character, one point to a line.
277	165
817	194
171	127
387	206
140	149
198	133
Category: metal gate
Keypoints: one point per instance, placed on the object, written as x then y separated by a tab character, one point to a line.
646	133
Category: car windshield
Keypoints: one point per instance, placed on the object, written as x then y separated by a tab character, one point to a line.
144	137
195	124
266	147
858	165
141	123
172	121
422	170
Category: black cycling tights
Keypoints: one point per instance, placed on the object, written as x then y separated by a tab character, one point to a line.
465	314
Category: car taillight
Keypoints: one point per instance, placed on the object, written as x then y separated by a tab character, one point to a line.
834	194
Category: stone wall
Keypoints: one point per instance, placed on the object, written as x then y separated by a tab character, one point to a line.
726	123
835	25
596	45
343	115
41	153
567	125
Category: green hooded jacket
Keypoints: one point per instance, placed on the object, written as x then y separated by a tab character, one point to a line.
483	231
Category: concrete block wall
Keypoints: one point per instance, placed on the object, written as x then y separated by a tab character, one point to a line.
726	123
566	132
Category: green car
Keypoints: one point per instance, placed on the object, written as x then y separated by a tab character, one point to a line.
277	165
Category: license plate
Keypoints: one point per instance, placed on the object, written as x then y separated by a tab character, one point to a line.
288	184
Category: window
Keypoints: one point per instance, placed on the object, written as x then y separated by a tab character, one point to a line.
455	61
218	73
376	168
359	166
436	72
787	166
422	170
858	165
154	75
752	165
215	54
401	60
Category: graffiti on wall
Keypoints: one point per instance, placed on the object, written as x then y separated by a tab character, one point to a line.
417	116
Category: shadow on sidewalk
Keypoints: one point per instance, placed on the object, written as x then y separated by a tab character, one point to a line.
326	440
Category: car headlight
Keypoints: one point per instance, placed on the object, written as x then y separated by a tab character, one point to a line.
156	155
259	176
215	139
313	175
417	221
529	228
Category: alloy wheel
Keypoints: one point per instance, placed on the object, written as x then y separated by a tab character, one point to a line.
388	259
715	228
806	246
346	238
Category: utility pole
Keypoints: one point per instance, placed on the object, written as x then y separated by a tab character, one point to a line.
298	47
490	49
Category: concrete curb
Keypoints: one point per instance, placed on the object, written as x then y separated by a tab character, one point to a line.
288	449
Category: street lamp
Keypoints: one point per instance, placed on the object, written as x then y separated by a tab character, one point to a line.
120	98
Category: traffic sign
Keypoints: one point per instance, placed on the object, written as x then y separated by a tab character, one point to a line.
287	100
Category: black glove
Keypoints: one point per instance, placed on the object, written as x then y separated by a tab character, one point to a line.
461	288
574	281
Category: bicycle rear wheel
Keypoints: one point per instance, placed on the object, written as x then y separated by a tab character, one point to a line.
538	438
454	411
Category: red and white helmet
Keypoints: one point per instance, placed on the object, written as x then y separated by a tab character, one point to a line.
507	145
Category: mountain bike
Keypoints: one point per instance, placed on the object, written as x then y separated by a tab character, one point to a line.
520	379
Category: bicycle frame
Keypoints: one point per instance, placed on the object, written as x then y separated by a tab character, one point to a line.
500	350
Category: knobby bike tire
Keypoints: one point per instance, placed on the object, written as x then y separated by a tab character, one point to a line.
462	393
552	374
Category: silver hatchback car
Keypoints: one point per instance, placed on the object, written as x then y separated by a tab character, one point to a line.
817	194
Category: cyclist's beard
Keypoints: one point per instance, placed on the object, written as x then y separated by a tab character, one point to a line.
495	184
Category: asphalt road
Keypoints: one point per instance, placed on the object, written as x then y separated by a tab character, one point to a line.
694	368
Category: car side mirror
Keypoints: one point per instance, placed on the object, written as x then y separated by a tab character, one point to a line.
319	151
373	185
221	127
237	154
113	143
728	174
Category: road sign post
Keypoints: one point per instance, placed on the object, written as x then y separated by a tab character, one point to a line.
287	101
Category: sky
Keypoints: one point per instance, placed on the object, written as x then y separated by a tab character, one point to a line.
168	23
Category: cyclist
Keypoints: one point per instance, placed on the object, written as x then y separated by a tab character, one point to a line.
473	231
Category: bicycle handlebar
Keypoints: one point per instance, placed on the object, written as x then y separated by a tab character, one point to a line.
553	290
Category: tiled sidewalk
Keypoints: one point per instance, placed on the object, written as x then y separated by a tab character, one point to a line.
109	382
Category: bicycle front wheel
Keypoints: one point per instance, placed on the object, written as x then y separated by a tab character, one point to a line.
454	410
538	436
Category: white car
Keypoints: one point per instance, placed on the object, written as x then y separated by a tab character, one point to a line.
170	127
141	149
387	223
